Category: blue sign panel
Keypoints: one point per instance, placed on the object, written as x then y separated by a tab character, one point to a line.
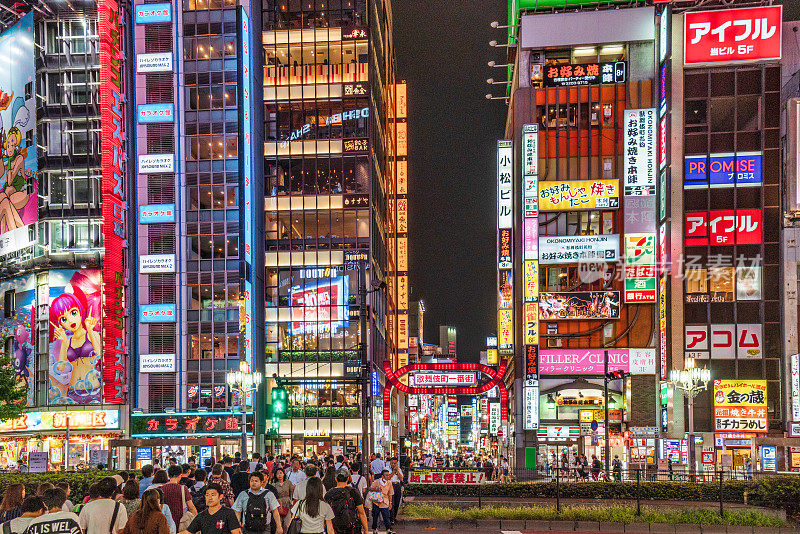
769	459
748	169
157	313
376	385
144	454
156	213
205	454
148	113
663	92
149	13
246	176
722	170
695	172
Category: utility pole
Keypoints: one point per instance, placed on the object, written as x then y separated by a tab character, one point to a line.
365	365
605	407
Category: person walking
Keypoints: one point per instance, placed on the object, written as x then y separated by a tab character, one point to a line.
377	465
217	478
56	520
347	504
104	514
329	480
296	475
397	479
381	493
616	466
299	492
284	489
11	505
315	514
240	480
130	497
216	518
257	508
147	478
148	517
32	507
178	498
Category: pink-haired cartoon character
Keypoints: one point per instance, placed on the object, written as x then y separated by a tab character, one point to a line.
75	336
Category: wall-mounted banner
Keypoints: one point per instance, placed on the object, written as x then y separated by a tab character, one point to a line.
584	74
530	280
156	363
578	248
152	13
531	362
592	361
201	424
724	341
530	240
156	313
505	329
157	62
157	263
732	35
579	305
794	365
531	400
579	195
531	323
723	227
552	432
444	379
152	163
156	213
640	214
530	149
640	268
505	198
743	169
640	151
504	253
49	421
150	113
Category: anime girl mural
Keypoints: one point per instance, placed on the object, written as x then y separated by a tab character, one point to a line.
18	164
75	343
17	327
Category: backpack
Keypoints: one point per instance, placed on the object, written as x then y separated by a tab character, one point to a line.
198	498
355	484
344	508
256	516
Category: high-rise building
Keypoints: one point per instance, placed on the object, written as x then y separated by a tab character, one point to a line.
331	145
58	281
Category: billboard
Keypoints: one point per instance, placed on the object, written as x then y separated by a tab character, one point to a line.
579	305
578	248
592	361
579	195
732	35
75	350
156	163
157	363
740	406
153	13
742	169
19	207
152	113
17	324
50	421
531	323
157	62
566	75
723	227
157	263
157	313
319	306
724	341
505	329
640	268
156	213
530	280
531	407
640	151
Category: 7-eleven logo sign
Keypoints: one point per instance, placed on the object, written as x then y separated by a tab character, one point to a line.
640	249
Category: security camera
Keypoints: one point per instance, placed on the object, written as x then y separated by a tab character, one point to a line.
492	63
488	96
494	24
493	43
490	81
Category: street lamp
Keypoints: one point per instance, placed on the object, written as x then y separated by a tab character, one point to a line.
691	380
243	382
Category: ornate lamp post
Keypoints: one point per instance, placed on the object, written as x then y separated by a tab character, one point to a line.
243	382
691	380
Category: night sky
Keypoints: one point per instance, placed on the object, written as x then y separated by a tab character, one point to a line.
442	50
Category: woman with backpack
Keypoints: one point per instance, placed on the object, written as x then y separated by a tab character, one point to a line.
347	504
148	518
315	514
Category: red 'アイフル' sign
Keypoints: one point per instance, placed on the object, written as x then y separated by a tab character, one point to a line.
112	139
732	35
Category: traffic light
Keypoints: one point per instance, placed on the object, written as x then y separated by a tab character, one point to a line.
280	405
616	375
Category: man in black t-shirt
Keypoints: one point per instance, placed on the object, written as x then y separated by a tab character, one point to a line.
347	505
216	519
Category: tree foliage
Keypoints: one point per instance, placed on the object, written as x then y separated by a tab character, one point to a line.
13	391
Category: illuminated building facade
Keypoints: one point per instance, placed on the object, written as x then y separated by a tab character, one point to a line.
55	203
577	232
334	150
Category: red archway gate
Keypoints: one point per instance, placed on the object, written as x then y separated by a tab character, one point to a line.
496	375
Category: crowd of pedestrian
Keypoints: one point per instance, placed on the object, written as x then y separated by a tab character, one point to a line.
271	495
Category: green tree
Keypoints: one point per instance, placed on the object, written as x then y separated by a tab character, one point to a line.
13	392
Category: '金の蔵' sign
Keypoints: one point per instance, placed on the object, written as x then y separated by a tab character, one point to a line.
740	405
